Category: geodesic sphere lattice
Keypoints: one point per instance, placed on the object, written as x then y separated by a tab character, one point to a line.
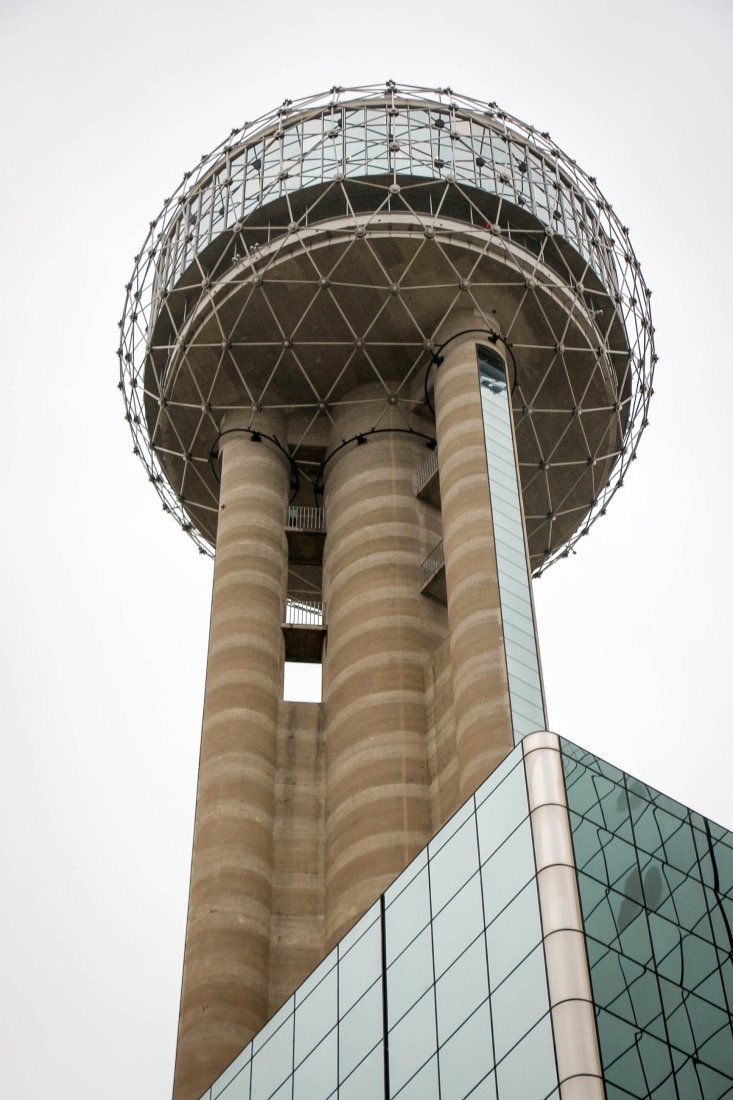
325	246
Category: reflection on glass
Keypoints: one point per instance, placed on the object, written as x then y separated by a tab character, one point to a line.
654	893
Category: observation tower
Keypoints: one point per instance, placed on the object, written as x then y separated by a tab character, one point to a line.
386	353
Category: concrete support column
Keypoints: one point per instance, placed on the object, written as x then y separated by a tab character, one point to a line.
380	631
480	689
224	998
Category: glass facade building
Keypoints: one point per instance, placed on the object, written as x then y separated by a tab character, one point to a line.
457	982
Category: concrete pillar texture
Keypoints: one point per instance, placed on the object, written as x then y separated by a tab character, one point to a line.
226	962
415	710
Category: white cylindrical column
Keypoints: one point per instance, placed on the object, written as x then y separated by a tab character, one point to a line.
480	688
226	965
380	631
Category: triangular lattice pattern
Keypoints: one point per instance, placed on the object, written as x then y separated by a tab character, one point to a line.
324	247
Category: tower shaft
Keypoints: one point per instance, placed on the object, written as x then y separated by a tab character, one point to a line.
483	716
292	307
381	632
306	812
226	966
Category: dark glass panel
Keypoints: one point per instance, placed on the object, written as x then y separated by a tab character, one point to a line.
713	1085
605	854
603	921
658	935
641	1063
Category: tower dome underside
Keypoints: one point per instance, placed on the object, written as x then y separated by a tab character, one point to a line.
351	280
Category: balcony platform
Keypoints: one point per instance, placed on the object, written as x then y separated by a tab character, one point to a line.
306	534
432	575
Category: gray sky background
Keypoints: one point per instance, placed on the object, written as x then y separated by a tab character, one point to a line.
105	602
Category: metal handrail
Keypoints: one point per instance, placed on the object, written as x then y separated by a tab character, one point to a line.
307	519
302	610
433	562
428	468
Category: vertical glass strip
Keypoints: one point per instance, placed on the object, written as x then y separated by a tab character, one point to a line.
517	613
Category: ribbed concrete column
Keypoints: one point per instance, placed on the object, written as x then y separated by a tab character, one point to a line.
480	690
380	631
226	963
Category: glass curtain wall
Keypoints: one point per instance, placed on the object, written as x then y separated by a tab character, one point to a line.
440	992
656	892
517	613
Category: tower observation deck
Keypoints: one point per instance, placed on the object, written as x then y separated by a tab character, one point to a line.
386	351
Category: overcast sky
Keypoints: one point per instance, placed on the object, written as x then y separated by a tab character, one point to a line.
105	601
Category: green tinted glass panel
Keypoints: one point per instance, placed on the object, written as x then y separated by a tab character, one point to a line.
655	882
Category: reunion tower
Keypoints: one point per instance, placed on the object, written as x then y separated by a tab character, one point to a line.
386	354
